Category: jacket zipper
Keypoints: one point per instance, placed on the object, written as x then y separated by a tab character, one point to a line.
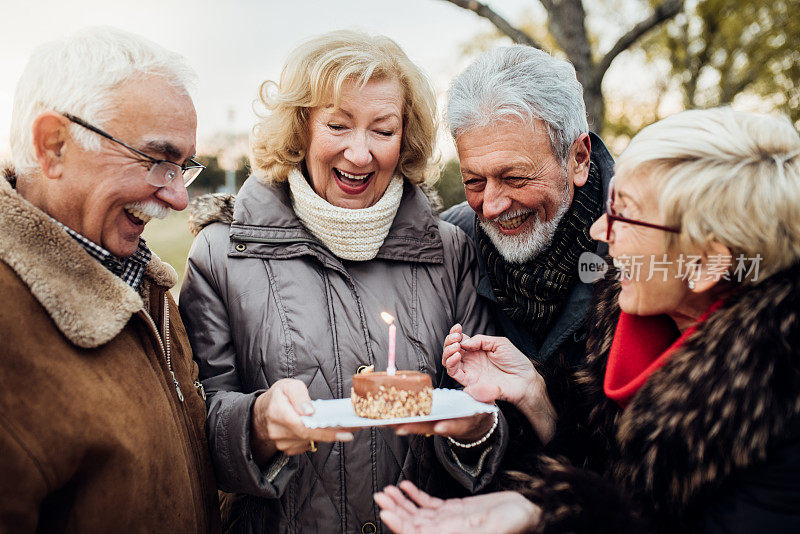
267	240
165	344
165	349
325	258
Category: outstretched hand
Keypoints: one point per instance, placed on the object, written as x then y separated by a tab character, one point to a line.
492	368
416	512
489	368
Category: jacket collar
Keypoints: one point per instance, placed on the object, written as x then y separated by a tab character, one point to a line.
87	303
264	223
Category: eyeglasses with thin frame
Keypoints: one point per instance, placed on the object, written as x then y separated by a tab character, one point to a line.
162	171
612	215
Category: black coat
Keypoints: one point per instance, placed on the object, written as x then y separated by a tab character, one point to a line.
710	443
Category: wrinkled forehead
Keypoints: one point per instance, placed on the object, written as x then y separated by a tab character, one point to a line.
506	142
155	114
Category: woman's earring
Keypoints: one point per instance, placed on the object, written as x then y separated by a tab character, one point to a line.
691	284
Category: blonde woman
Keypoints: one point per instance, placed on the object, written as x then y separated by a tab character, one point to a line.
283	296
688	418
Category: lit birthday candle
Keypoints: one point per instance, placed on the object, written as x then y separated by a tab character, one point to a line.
388	319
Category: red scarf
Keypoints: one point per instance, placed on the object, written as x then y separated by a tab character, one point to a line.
641	345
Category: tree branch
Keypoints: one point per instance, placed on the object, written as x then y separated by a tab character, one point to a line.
732	88
517	35
661	13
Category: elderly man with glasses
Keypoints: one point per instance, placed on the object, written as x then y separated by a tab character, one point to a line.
102	416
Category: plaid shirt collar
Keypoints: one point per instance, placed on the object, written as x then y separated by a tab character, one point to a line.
130	270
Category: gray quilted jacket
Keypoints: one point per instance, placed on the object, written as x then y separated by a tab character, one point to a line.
264	300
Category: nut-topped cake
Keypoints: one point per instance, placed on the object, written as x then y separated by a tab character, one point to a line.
384	396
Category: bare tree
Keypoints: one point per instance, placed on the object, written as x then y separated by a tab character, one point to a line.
566	21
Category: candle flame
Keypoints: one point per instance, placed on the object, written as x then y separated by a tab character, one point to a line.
388	319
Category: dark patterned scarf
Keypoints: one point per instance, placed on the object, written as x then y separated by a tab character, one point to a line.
533	294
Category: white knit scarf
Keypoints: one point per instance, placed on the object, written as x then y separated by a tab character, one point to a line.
350	234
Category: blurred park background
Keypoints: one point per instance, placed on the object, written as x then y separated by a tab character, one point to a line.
639	60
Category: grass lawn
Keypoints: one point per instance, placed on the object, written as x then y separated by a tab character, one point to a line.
170	239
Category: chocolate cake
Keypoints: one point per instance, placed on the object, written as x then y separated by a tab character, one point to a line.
383	396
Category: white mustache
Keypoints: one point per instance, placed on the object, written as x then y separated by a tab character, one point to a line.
504	217
151	208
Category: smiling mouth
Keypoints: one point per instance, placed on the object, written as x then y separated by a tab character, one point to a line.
513	222
137	217
352	183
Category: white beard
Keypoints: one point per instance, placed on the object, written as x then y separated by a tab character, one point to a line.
526	246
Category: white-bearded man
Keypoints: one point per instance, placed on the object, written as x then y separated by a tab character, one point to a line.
535	180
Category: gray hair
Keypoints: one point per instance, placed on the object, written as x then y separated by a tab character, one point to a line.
78	75
524	82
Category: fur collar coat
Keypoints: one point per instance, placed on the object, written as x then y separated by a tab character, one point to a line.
94	436
711	442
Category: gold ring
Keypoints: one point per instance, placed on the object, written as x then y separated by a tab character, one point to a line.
313	447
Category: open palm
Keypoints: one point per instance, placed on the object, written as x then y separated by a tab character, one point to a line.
417	512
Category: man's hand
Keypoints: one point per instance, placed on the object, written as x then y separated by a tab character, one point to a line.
492	368
489	368
416	512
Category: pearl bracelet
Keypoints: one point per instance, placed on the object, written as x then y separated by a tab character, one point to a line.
476	443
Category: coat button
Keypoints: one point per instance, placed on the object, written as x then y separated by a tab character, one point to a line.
369	528
241	247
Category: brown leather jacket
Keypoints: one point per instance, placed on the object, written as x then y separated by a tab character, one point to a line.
93	436
264	300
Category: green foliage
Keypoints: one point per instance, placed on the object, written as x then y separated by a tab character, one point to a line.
449	186
714	53
721	49
212	179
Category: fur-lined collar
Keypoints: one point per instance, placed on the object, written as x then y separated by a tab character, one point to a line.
88	303
218	207
264	214
720	404
211	208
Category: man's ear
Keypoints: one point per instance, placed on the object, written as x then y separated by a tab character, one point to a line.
579	160
50	134
715	264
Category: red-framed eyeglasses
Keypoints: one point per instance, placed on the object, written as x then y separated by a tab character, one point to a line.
611	216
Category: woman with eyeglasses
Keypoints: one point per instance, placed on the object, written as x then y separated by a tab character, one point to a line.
686	416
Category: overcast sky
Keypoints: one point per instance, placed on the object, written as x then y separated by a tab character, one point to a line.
235	45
